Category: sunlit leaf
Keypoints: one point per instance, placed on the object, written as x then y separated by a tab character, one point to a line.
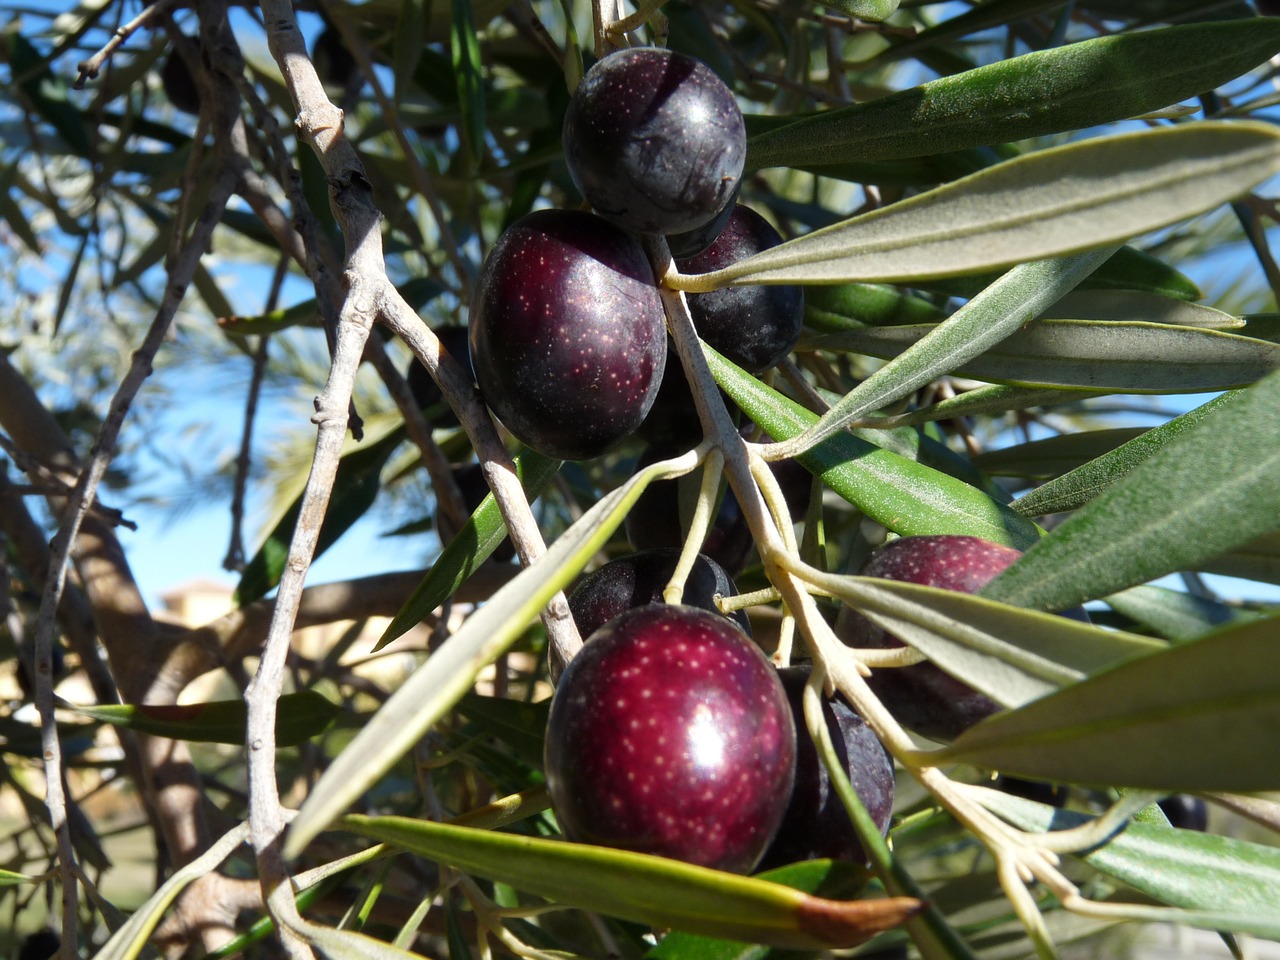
451	670
975	331
1232	878
1190	718
644	888
1058	201
1112	356
827	878
1210	490
1079	85
1139	305
1010	654
906	497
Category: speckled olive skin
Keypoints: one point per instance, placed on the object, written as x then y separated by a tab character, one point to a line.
640	578
755	326
568	336
923	697
654	140
816	824
670	734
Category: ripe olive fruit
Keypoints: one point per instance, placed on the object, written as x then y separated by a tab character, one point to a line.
568	334
670	734
654	140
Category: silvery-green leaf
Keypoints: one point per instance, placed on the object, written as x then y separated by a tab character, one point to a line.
1099	355
1139	305
1010	654
1054	202
1231	881
1070	87
1210	490
1199	716
977	327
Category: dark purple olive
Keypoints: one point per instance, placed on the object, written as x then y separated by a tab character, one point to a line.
754	325
816	824
670	734
568	334
655	141
640	578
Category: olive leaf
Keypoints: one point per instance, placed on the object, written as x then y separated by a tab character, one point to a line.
1055	202
1189	718
1079	85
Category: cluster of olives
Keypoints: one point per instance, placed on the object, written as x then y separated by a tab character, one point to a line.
672	733
567	329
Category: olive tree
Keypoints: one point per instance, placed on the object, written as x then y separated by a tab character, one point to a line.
1017	227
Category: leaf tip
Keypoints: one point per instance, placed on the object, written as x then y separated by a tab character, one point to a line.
848	923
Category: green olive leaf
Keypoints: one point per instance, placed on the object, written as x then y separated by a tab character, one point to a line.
1176	615
1054	202
905	496
1139	305
1010	654
1069	87
645	888
483	532
1053	456
1097	355
1190	718
1209	490
1079	486
299	717
1215	876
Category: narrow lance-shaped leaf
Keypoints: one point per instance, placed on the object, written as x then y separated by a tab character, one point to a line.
1100	355
1055	455
470	547
1051	203
994	314
1211	489
1074	489
469	72
1195	717
1080	85
1010	654
451	670
644	888
1174	614
299	716
907	497
1140	305
994	13
1234	879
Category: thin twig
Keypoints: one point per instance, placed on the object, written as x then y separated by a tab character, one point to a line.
89	68
234	560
